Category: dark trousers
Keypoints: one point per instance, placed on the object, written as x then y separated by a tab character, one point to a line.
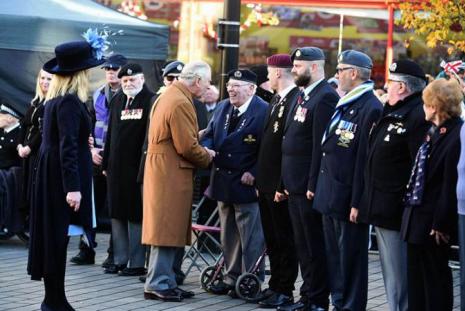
309	244
55	284
347	257
429	277
277	229
462	260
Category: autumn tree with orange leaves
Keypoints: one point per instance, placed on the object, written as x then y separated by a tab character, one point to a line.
439	22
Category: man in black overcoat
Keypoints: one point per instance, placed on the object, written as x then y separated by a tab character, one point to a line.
276	223
301	153
392	147
340	181
123	148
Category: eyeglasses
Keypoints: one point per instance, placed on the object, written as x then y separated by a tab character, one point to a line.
339	70
235	85
389	81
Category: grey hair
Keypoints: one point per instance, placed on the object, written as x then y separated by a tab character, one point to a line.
193	70
363	73
413	84
319	63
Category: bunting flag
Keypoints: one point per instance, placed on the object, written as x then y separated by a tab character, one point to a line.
452	66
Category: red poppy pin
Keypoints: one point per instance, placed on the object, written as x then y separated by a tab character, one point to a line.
442	130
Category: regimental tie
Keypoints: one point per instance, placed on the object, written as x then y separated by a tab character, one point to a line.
128	102
301	97
233	120
274	102
416	184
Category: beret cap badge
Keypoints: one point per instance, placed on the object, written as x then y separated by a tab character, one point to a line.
129	71
238	74
179	67
393	67
298	53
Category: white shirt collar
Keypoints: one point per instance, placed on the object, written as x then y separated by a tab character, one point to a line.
310	88
9	129
286	91
210	107
244	107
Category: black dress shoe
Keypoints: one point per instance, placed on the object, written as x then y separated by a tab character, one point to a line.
299	305
266	293
108	262
143	278
276	300
132	272
114	269
86	256
184	293
221	288
163	295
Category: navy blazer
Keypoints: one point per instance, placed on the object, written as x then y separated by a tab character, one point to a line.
438	209
301	146
340	180
236	153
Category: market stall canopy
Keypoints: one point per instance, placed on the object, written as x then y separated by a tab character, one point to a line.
30	30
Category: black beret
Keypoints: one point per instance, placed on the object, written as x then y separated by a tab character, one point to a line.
407	67
243	75
10	110
355	58
308	53
173	69
115	61
262	73
130	70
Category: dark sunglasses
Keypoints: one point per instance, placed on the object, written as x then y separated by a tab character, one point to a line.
170	78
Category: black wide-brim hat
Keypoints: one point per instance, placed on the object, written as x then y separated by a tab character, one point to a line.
72	57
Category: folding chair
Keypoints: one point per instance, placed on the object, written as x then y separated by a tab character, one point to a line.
200	253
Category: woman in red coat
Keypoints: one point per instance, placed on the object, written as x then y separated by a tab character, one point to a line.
63	193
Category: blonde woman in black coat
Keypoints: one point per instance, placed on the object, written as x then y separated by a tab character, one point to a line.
63	193
30	136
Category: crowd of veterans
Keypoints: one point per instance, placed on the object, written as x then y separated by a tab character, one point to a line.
301	165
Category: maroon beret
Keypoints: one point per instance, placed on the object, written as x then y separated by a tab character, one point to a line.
279	60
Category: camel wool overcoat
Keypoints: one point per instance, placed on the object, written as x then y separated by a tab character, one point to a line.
172	154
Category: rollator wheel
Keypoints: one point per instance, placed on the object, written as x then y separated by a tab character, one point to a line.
248	287
207	277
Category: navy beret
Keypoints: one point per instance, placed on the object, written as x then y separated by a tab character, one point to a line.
131	69
242	75
407	67
310	53
173	69
115	61
355	58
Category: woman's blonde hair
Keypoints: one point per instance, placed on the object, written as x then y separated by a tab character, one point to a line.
446	96
78	84
40	95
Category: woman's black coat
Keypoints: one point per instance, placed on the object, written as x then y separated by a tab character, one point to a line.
64	165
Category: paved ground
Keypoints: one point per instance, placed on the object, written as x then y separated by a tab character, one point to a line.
89	289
